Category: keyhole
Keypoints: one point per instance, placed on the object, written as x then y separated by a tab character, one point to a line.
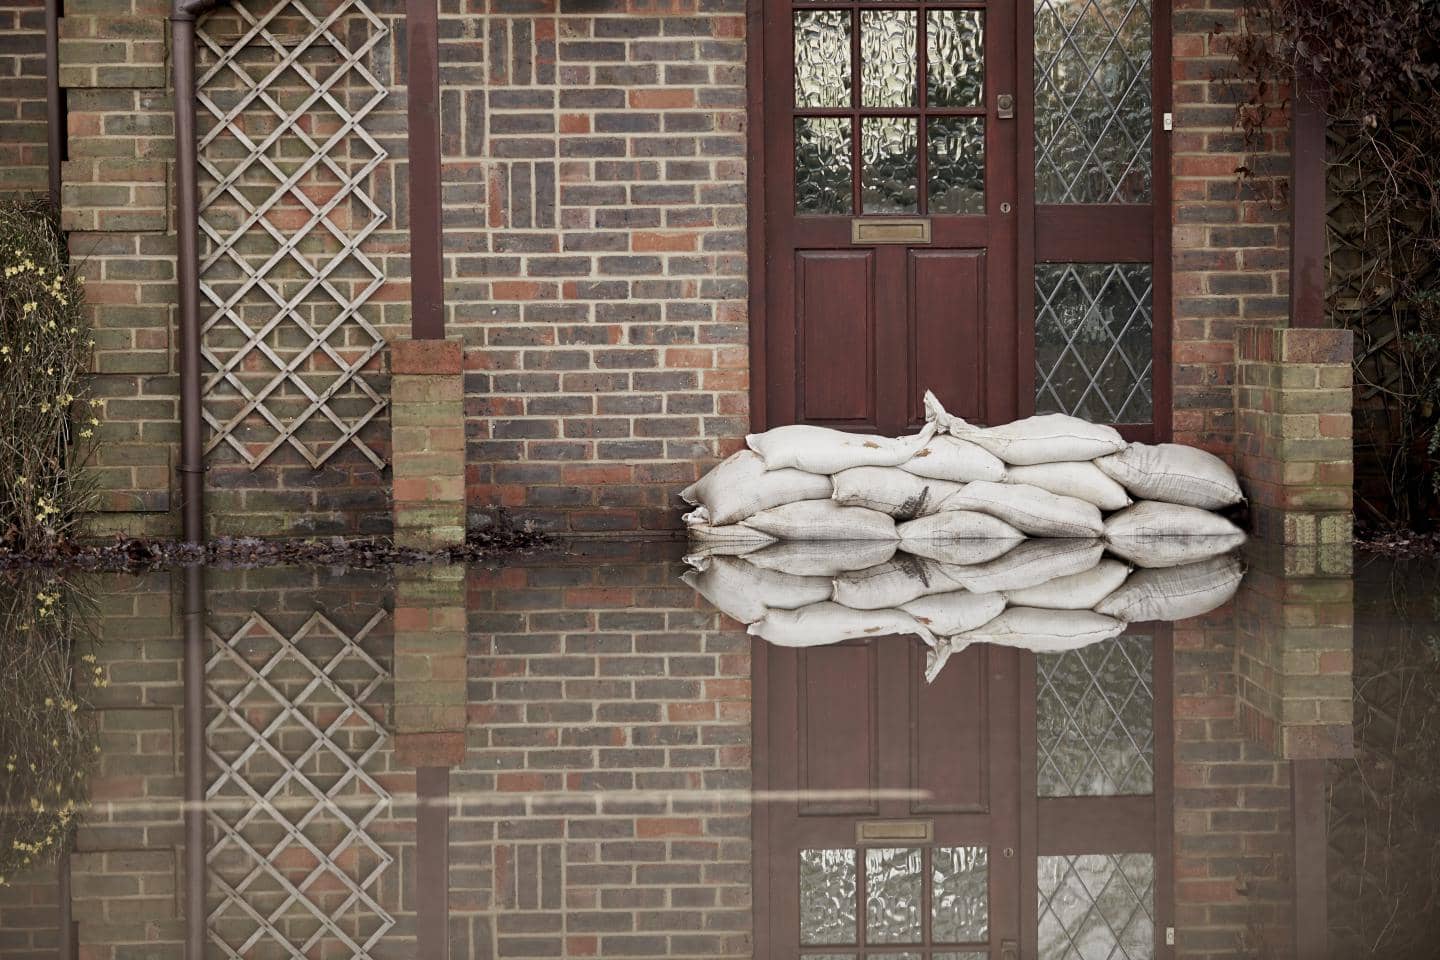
1005	207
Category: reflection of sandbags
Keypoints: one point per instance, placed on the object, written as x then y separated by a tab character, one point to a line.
955	611
1031	563
745	592
1044	631
1152	534
1175	474
962	553
730	533
740	485
1159	552
1175	594
1031	510
958	525
1081	480
892	491
1048	438
822	450
946	458
822	623
892	584
818	558
1078	591
824	520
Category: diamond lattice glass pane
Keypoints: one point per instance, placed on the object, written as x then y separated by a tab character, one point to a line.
1092	101
1097	905
956	170
822	58
889	151
1094	344
827	896
822	165
960	895
892	895
887	58
1095	720
954	58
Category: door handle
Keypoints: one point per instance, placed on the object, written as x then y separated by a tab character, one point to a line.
1005	106
1009	950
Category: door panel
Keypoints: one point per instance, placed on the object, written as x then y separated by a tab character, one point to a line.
838	731
877	109
835	311
947	331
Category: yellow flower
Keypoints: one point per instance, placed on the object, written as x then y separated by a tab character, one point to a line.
29	307
87	433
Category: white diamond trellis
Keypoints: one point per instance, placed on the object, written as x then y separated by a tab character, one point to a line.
285	209
293	870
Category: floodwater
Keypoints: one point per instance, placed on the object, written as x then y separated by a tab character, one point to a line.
575	754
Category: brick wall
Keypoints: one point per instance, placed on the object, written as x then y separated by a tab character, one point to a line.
1230	235
23	150
29	916
595	233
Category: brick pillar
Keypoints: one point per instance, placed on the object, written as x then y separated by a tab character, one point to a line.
427	429
1296	638
1293	437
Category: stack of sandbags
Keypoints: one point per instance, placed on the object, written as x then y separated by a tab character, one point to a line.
1043	595
955	485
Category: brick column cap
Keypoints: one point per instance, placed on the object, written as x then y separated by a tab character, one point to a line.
427	357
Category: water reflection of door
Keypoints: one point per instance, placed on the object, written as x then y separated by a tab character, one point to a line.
1007	810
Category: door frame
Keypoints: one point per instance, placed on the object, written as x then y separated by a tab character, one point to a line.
758	257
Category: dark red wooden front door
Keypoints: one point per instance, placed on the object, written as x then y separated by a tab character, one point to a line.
891	214
969	196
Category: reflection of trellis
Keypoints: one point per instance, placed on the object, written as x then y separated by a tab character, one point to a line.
286	211
294	865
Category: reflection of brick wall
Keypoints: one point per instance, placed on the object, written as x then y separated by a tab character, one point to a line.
1233	892
1231	238
29	917
607	710
22	97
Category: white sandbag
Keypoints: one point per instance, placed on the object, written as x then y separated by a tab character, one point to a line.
939	655
1078	591
1174	473
1045	631
958	525
700	553
1030	510
1081	480
1155	535
824	623
891	490
1178	593
740	486
892	584
948	458
1047	438
731	533
745	592
962	553
824	520
821	558
955	611
1150	519
1030	564
822	450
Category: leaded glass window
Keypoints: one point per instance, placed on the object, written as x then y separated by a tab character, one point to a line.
1097	905
1094	350
1093	115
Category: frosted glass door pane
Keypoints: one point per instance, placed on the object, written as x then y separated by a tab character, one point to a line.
823	181
887	58
954	58
890	152
822	58
960	895
892	895
827	896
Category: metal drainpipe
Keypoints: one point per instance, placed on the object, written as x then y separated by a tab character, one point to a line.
187	228
54	105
